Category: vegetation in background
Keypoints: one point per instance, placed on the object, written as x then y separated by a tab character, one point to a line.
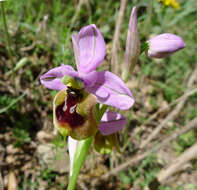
41	32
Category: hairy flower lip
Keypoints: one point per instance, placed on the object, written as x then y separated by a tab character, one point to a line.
77	119
66	112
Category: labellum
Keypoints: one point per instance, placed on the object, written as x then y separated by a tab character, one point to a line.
73	113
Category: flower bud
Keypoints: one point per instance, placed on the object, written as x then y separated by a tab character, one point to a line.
164	45
73	113
132	46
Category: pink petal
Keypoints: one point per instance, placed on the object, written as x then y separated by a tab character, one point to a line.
89	48
111	122
111	90
52	79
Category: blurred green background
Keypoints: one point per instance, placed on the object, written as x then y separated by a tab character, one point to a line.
40	33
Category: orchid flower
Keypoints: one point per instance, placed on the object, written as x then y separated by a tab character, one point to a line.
89	51
74	105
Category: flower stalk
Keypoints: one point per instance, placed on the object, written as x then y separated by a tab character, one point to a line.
82	151
80	157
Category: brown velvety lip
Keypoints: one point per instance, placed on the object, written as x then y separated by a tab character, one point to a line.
66	112
74	120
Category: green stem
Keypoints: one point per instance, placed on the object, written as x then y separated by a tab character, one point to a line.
7	34
82	151
80	157
144	47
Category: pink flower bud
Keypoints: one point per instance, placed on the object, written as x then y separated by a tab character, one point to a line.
132	46
164	45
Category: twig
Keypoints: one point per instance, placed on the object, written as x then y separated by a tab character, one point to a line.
177	164
149	19
28	48
2	110
81	183
114	60
74	18
81	2
172	115
121	167
21	63
192	124
185	95
12	181
13	103
153	116
1	182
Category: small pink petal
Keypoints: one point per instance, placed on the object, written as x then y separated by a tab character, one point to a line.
111	122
